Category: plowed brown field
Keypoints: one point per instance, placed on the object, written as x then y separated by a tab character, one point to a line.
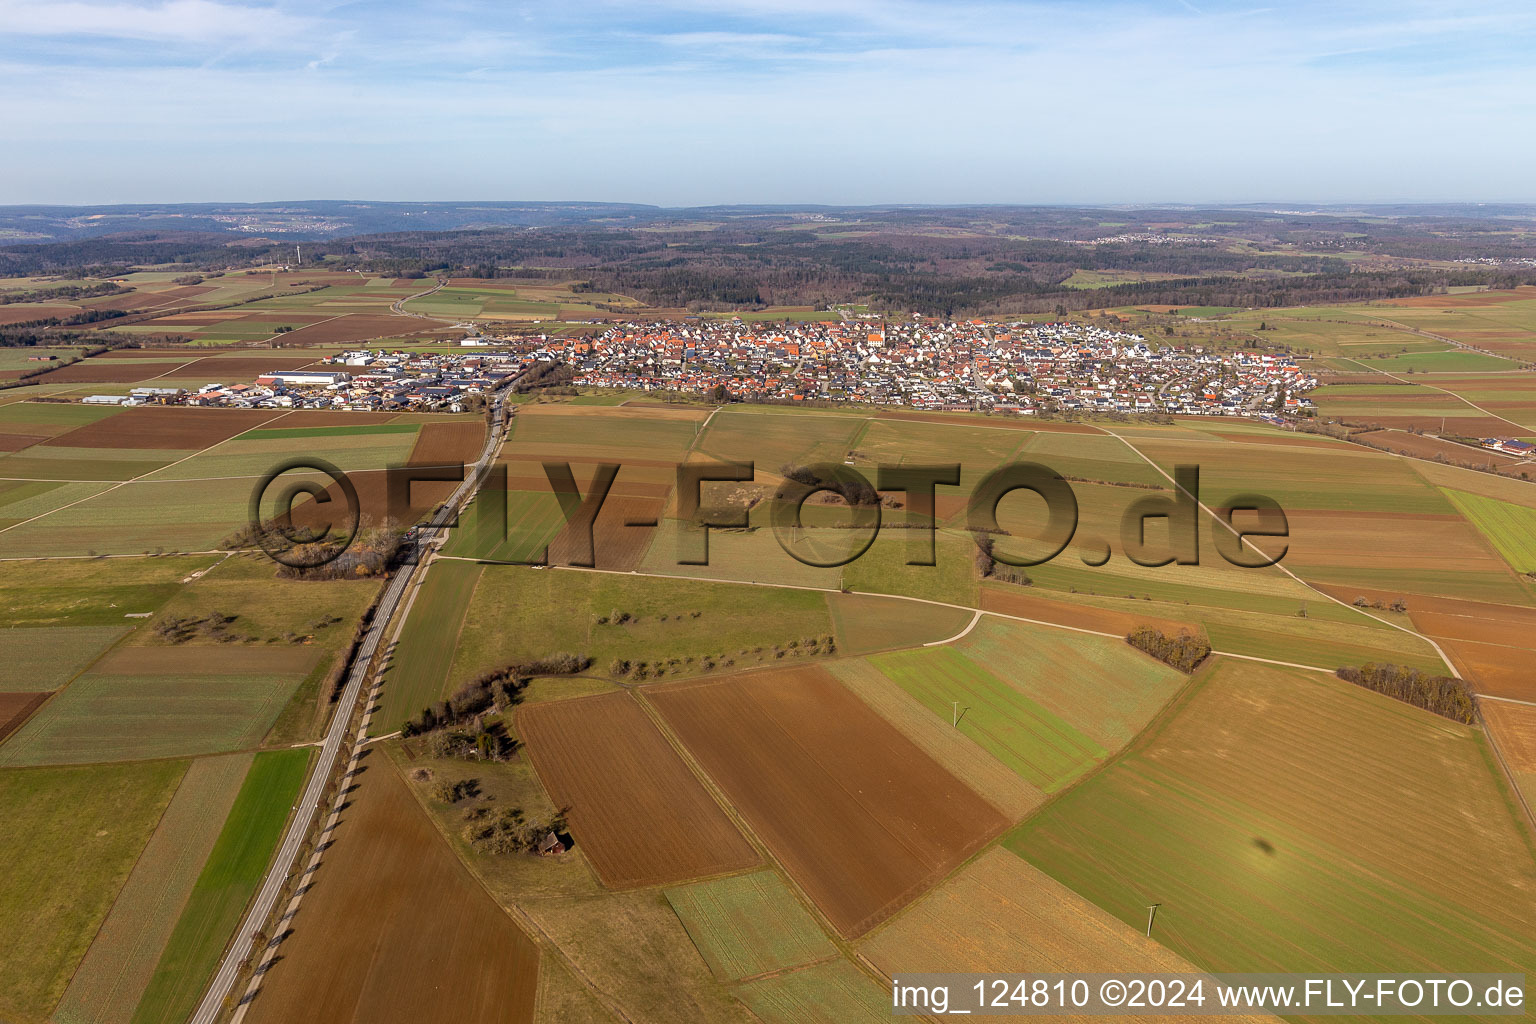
16	708
89	371
16	442
397	929
19	313
1493	668
449	441
614	545
170	429
860	816
1514	726
351	327
638	812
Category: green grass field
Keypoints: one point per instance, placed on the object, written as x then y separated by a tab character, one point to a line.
1036	744
1511	529
1100	686
126	718
749	925
85	592
121	960
522	613
418	669
773	438
533	519
356	430
1449	361
866	623
224	887
1315	807
71	838
831	993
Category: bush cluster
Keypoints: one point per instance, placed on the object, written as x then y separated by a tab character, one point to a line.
1446	696
1184	652
508	830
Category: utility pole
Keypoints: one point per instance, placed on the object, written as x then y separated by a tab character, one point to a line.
1151	913
955	720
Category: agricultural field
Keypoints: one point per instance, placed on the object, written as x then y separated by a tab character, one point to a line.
229	877
1000	913
1511	529
72	839
648	620
1036	744
112	977
835	992
861	818
418	673
346	962
1274	787
637	812
865	623
748	925
100	717
41	659
634	950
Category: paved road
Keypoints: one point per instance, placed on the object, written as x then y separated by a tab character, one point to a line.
399	304
309	805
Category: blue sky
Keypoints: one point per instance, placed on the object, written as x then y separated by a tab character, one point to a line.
774	101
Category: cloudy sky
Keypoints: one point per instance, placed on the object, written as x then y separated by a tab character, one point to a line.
774	101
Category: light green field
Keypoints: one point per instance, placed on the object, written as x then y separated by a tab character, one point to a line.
255	458
1511	529
1090	457
90	592
71	837
533	519
520	613
905	442
1450	361
39	463
1036	744
177	515
1315	807
1100	686
829	993
866	623
17	417
228	880
418	669
1303	478
125	718
749	925
122	959
594	434
1321	645
773	438
45	659
362	429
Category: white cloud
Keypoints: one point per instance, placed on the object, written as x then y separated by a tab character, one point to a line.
177	21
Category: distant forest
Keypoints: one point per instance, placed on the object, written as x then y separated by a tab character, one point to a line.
954	261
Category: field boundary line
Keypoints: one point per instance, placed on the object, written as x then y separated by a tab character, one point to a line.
124	483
